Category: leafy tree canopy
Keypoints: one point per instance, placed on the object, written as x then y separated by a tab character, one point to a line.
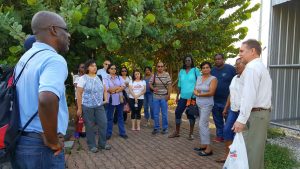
136	33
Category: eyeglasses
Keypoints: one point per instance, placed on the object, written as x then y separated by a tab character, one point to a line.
124	70
113	68
65	29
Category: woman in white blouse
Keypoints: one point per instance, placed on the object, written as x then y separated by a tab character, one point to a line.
137	89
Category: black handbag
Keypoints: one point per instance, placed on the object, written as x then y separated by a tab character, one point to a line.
192	109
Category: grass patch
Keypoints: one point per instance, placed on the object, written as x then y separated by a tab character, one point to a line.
275	132
277	157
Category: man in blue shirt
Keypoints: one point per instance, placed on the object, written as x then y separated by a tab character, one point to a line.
224	73
103	71
41	89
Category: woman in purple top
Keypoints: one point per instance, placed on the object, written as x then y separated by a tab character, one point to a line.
115	85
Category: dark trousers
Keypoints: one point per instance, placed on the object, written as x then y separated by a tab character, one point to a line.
136	111
181	106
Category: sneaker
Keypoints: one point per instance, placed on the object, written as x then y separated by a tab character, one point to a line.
218	139
106	147
164	131
94	150
124	136
155	131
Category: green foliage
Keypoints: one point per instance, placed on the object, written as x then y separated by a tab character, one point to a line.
275	132
279	157
137	31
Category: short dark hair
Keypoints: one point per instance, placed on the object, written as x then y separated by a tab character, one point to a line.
133	77
252	43
124	67
188	56
219	54
148	67
205	63
109	66
78	66
87	64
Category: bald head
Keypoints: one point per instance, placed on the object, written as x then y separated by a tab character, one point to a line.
44	19
50	28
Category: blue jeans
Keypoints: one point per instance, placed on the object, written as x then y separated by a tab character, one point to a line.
160	105
32	153
218	118
93	116
110	114
181	106
231	118
148	99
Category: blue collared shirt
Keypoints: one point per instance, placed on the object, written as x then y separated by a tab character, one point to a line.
46	71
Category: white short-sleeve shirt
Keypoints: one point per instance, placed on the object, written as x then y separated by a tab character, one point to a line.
137	88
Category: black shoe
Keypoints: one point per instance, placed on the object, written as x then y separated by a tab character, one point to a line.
199	149
164	131
155	131
108	137
203	153
124	136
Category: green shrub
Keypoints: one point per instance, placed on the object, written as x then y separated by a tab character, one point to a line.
277	157
275	132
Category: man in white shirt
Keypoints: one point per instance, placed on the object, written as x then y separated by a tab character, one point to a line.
255	107
103	71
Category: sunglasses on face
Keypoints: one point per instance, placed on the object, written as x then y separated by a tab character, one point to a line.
65	29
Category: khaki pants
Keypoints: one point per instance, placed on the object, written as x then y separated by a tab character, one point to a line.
255	137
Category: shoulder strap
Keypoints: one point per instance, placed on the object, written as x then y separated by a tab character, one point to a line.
18	77
15	82
154	79
100	77
163	83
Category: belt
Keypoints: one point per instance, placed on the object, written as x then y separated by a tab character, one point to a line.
37	135
260	109
32	134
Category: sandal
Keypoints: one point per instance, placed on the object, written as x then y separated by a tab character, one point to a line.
221	160
200	149
203	153
173	135
191	137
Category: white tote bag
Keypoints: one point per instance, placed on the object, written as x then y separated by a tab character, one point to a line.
237	157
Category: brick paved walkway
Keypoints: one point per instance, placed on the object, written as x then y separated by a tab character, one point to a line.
143	150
